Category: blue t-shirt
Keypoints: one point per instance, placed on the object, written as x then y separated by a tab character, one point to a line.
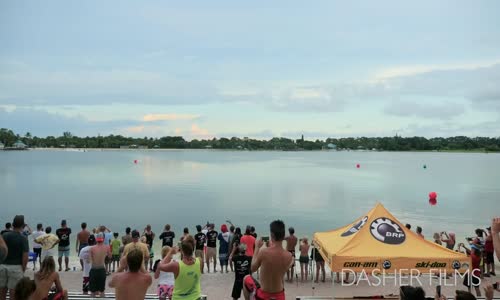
108	236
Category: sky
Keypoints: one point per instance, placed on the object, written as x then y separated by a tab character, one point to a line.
205	69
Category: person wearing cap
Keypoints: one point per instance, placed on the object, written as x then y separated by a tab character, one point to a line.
86	260
63	234
13	267
474	278
223	248
135	244
98	255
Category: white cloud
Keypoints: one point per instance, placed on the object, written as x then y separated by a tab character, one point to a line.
168	117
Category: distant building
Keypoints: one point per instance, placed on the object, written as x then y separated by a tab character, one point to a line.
332	146
20	145
142	147
2	146
156	146
123	147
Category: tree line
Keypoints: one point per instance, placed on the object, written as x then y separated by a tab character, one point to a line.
396	143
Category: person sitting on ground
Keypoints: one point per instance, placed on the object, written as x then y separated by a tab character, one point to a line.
437	238
24	289
489	254
98	255
200	239
37	248
495	232
320	264
135	244
242	269
449	239
473	279
131	285
419	232
407	292
274	261
167	237
304	258
45	278
187	272
166	280
86	259
291	243
115	251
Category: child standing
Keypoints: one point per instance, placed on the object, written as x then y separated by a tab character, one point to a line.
304	258
115	251
166	279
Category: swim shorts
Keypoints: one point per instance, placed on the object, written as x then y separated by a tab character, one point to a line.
116	258
304	259
490	258
256	293
85	284
97	280
63	251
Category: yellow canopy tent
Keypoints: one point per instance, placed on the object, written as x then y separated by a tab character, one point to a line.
378	241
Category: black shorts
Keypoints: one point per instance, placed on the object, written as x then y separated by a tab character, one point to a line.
474	280
304	259
490	258
97	280
237	287
38	252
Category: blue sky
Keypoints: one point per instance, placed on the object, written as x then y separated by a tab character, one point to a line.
258	69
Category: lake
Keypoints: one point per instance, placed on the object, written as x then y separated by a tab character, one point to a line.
312	191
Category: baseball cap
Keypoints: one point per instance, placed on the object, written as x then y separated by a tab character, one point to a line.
135	234
99	237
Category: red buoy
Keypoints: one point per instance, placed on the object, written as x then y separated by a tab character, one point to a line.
135	161
358	166
432	198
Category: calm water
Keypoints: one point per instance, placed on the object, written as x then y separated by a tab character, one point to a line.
312	191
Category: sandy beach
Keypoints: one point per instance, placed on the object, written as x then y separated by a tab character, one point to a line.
219	286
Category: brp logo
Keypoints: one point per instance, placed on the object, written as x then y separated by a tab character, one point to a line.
355	228
386	264
456	265
387	231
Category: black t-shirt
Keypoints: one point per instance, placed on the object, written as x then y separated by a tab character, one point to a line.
63	235
200	239
17	245
167	238
212	239
241	266
149	239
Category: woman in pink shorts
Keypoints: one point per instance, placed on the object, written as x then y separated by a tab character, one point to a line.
166	279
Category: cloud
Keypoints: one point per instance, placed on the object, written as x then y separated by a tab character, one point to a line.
168	117
446	110
198	132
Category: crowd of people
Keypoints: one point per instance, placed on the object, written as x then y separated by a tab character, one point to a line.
131	256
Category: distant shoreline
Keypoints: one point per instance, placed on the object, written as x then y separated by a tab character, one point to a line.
260	150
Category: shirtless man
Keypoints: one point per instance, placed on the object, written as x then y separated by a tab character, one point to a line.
275	261
98	254
291	243
45	278
82	240
132	285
